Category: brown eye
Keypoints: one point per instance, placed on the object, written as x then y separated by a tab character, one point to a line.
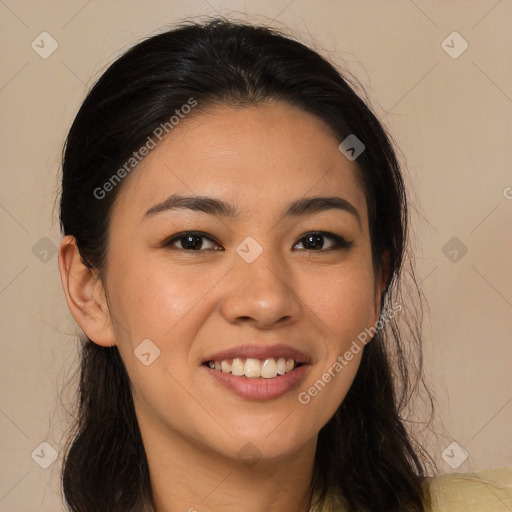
190	241
316	242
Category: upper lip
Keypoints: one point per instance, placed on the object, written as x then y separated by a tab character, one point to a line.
260	352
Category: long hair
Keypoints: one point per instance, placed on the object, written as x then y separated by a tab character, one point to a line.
365	454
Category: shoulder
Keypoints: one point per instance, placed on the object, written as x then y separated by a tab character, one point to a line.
488	490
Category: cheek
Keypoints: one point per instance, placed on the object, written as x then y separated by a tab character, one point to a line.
169	306
343	307
160	304
151	299
343	300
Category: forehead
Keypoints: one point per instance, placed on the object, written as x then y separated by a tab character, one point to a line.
256	157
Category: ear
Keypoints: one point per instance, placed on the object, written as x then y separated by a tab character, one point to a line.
85	294
381	278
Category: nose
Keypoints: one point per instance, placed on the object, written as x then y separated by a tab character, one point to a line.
261	293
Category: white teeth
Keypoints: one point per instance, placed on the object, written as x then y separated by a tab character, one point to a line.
237	367
281	366
269	368
254	368
226	367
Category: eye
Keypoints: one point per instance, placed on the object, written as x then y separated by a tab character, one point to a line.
192	241
315	241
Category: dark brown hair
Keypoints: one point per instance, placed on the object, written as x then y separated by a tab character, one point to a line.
364	452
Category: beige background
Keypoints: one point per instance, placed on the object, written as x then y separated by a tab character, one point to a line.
451	118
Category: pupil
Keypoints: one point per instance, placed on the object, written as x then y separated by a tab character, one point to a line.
314	242
192	242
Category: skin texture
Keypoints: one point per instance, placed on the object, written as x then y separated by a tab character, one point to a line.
193	304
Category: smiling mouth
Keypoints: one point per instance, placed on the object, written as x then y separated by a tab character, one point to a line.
251	368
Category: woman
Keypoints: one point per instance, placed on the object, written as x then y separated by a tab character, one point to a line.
235	226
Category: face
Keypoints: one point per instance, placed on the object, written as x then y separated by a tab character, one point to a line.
246	287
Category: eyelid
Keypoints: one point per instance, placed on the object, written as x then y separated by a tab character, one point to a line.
340	242
168	242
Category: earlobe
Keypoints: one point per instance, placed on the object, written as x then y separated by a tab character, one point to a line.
85	294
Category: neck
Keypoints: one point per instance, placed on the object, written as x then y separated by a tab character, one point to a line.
188	478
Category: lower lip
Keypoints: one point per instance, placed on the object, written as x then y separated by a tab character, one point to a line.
260	389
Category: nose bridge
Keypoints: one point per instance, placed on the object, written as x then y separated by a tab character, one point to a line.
262	287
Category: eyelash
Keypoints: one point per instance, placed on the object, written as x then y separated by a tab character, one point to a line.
340	242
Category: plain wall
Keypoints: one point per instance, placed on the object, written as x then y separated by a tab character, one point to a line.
450	117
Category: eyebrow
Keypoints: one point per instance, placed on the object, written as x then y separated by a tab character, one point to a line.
217	207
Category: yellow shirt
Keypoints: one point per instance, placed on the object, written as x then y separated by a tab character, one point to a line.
488	490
